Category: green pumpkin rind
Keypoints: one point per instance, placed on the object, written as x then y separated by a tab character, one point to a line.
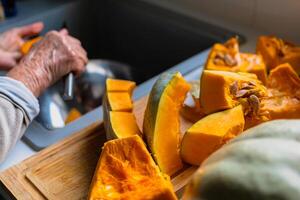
161	127
109	131
261	164
110	134
153	105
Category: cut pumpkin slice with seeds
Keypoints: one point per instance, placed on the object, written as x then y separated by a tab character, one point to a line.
226	57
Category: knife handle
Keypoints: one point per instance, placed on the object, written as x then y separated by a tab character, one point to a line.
69	87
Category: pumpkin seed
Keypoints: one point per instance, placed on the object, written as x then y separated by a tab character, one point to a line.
245	104
219	55
254	103
252	83
218	61
280	53
242	93
247	86
222	58
195	89
254	92
233	88
246	111
229	60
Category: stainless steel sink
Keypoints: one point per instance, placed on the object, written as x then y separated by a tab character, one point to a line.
88	92
148	38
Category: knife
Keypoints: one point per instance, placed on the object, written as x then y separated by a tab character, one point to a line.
69	87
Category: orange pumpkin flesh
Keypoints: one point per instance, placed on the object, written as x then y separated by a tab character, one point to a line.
223	56
25	48
276	51
210	133
253	63
221	90
226	57
126	171
120	101
123	123
73	115
119	121
116	85
283	101
162	123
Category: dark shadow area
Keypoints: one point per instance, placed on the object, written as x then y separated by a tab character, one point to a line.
149	38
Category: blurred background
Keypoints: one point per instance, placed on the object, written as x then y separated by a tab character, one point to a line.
118	30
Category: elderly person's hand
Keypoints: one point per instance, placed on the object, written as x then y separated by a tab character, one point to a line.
56	55
11	42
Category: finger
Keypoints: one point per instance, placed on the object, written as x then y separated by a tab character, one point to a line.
73	40
31	29
84	56
81	53
76	45
77	48
64	31
7	62
16	55
79	67
19	42
16	45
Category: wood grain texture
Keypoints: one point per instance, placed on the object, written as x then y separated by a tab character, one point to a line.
65	169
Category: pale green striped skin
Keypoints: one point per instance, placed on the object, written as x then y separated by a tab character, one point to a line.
263	163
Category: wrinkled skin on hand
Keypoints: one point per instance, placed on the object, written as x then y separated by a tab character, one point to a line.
56	55
11	42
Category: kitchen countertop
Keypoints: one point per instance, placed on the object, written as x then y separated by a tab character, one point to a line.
190	68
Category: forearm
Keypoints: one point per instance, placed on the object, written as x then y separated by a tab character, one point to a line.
18	107
12	125
35	78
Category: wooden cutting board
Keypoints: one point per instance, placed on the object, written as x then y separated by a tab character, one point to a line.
64	170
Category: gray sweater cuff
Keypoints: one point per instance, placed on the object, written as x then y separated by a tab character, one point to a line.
21	95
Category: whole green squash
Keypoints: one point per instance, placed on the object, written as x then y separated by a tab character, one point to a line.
261	164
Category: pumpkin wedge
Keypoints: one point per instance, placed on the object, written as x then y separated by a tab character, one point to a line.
161	125
119	101
253	63
226	57
126	170
117	85
210	133
283	101
276	51
221	90
119	121
123	124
